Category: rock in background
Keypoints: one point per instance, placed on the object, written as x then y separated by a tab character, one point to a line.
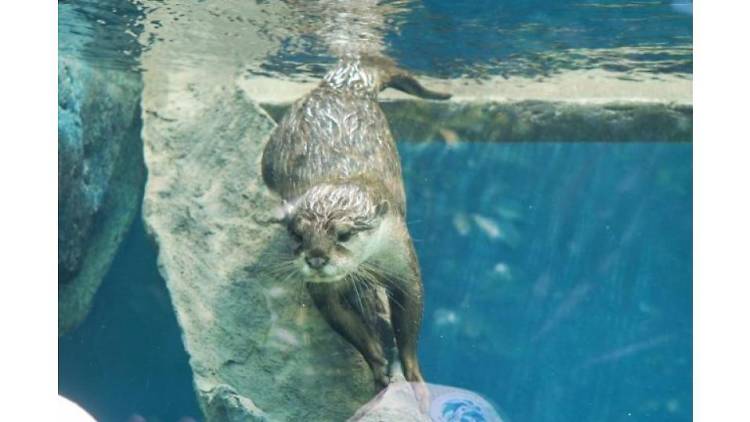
100	177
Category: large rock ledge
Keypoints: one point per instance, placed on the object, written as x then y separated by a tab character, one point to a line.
573	107
258	349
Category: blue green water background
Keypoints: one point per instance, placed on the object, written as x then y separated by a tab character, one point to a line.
558	284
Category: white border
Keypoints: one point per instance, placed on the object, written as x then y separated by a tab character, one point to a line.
28	174
721	382
28	223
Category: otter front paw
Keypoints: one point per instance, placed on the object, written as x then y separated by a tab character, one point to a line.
380	376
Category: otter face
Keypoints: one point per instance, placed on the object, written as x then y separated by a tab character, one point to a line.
335	228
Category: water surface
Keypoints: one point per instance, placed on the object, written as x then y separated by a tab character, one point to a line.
475	39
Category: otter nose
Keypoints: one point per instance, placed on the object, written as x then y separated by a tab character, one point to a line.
316	261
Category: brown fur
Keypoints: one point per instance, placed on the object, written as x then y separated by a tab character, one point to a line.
334	162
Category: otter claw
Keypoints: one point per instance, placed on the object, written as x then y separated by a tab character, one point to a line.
422	394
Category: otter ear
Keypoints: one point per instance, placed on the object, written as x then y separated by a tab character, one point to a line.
281	214
382	208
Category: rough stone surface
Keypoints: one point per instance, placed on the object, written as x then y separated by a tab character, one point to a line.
100	177
258	348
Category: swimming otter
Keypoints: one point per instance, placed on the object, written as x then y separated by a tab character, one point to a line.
333	161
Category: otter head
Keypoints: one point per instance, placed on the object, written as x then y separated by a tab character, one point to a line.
335	229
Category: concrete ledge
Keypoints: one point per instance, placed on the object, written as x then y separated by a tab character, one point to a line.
532	121
580	106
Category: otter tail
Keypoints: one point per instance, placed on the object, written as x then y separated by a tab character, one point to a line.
368	75
406	82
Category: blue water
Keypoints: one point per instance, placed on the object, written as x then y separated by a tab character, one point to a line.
558	284
539	37
441	38
558	276
127	358
575	301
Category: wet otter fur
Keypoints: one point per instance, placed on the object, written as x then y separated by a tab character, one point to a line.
334	162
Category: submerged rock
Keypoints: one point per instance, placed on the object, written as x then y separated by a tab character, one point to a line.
259	349
541	121
100	177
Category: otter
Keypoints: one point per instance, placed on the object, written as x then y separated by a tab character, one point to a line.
333	161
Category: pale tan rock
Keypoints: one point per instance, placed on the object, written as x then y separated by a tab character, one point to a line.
258	349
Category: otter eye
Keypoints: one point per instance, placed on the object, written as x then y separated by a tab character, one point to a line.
296	236
344	236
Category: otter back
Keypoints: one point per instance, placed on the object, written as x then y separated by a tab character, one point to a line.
333	135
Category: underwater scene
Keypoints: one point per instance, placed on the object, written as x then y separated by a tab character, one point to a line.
375	210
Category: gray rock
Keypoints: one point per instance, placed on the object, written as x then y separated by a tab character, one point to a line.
224	404
258	348
100	177
540	121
